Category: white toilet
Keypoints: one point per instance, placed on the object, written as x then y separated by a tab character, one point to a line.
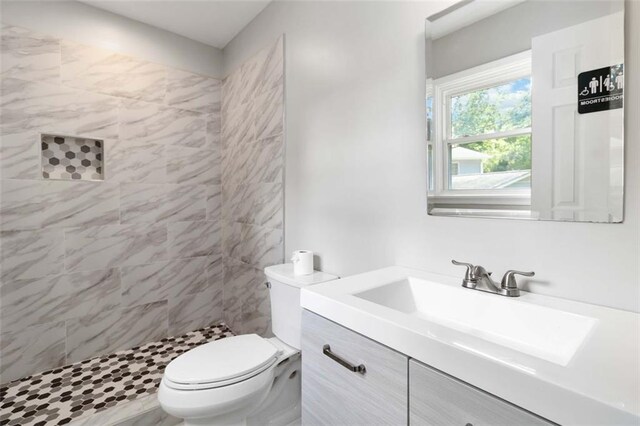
246	379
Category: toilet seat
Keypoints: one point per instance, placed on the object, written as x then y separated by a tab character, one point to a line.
221	363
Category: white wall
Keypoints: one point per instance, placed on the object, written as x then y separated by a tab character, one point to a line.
356	163
86	24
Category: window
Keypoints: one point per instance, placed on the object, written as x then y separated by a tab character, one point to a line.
480	124
430	164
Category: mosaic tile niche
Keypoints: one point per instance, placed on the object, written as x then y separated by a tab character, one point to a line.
72	158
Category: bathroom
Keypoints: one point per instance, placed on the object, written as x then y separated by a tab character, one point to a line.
208	209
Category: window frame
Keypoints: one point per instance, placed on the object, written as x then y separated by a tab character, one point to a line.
430	138
442	90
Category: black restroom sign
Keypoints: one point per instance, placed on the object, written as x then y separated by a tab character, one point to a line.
601	89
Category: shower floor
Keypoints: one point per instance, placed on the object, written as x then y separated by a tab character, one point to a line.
87	392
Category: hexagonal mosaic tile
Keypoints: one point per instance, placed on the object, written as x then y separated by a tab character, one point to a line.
72	158
66	394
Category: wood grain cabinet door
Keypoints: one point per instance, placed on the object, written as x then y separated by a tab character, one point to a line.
332	394
436	399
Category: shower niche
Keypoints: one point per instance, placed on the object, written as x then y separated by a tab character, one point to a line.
72	158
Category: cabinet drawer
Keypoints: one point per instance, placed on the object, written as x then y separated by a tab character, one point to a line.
335	395
438	399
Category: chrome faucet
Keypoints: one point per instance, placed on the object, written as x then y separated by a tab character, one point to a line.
477	278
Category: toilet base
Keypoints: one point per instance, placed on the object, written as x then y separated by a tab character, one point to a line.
283	405
280	407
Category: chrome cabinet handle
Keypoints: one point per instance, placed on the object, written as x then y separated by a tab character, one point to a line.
326	349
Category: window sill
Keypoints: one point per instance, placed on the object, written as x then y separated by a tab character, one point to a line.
462	199
483	213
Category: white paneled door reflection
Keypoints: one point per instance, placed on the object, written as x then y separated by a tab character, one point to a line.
577	158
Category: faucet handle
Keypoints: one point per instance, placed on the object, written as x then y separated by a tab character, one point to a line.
470	267
509	279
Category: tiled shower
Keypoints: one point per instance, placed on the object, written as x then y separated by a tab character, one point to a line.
252	186
171	236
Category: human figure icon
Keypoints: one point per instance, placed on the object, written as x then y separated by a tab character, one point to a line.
606	84
593	85
620	81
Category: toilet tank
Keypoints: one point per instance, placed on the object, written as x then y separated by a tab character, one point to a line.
284	292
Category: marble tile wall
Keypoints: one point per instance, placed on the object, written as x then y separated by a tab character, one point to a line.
89	268
252	186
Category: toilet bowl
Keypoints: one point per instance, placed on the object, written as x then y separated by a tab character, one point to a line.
245	379
224	382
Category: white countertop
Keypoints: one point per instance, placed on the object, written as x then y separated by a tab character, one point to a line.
600	385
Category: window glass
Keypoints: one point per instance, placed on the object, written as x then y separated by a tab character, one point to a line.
430	169
429	118
501	163
494	109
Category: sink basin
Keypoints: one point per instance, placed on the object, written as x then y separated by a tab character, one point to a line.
540	331
533	350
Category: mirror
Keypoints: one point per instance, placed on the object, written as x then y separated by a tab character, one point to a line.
525	117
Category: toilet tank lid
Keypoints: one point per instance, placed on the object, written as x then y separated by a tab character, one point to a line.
284	274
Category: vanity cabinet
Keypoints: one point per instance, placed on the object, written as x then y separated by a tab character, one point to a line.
438	399
376	393
349	379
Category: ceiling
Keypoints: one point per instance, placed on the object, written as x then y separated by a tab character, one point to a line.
213	22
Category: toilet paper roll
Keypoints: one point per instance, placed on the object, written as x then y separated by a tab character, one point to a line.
302	262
